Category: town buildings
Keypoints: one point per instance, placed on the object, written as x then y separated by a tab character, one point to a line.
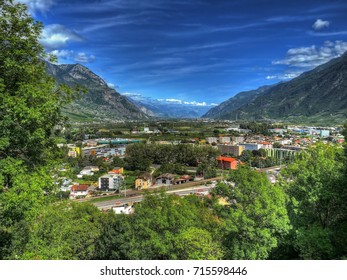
143	181
227	163
232	150
79	191
110	182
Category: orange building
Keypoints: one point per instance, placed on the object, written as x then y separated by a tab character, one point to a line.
117	170
227	163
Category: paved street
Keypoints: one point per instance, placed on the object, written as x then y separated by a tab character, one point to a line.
104	205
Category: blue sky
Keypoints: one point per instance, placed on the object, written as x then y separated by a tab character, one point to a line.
193	51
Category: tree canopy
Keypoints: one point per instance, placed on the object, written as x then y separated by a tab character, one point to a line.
256	216
30	113
316	188
303	216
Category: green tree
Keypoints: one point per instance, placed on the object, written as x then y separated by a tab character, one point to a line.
31	102
256	216
30	113
317	203
197	244
118	162
138	157
174	168
64	231
246	156
159	229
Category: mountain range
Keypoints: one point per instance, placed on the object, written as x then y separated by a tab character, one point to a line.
235	102
169	108
319	95
100	102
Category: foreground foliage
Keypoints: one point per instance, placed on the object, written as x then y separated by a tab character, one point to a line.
30	104
255	216
303	216
317	192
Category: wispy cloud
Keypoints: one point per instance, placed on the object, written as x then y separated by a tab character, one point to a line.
328	34
82	57
208	46
57	36
330	6
37	5
68	56
95	24
287	76
290	18
208	29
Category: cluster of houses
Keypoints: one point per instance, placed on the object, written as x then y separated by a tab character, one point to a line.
100	147
114	181
88	171
280	141
279	144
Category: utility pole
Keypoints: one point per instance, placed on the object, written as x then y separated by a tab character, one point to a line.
125	187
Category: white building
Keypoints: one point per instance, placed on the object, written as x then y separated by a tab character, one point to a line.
110	182
79	191
251	146
123	209
224	140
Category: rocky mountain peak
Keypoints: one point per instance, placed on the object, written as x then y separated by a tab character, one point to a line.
100	100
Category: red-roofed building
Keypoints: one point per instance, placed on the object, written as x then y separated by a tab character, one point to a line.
117	170
227	163
79	190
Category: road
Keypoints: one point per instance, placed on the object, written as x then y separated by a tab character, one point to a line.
105	205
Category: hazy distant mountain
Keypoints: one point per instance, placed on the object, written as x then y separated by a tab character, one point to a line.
100	102
235	102
319	95
167	109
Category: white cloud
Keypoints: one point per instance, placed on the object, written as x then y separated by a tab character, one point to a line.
111	85
271	77
57	36
134	95
309	57
194	103
287	76
66	56
173	100
138	96
320	24
37	5
131	94
84	58
182	102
